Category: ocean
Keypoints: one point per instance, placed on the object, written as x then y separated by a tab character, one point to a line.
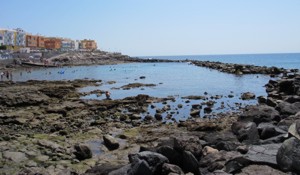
285	60
175	80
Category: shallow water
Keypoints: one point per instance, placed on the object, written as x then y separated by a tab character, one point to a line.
171	79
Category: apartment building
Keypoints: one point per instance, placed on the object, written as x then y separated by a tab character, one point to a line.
41	42
53	43
67	44
1	38
88	44
20	38
31	41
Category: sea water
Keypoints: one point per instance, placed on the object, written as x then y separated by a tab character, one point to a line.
285	60
175	80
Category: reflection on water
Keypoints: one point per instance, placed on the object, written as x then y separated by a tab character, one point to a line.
171	79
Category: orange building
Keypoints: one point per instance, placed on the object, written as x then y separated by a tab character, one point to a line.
52	43
31	41
88	44
41	42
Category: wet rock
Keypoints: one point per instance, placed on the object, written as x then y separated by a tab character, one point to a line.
288	155
167	169
195	113
246	132
16	157
135	117
158	116
248	96
110	142
148	118
82	152
194	97
146	162
261	113
207	109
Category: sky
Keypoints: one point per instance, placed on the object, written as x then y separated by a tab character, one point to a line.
164	27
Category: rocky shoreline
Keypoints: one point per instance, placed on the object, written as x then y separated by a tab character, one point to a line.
46	128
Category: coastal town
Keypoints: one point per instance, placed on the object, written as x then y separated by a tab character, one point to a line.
18	40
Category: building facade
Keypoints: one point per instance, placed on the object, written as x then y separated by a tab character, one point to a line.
41	42
1	38
53	43
67	44
88	44
20	38
31	41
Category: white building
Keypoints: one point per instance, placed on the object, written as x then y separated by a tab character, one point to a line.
20	37
76	44
9	37
67	44
1	38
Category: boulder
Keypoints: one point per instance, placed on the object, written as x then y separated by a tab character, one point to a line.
147	162
257	154
288	155
260	169
172	155
260	113
286	86
248	96
195	113
16	157
190	163
288	108
82	152
209	150
246	132
268	130
170	168
110	142
191	144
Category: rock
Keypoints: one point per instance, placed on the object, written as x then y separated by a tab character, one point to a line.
110	142
172	155
82	152
288	155
191	144
103	169
294	129
195	113
267	130
158	116
226	145
218	157
288	108
135	117
245	132
170	168
190	163
207	109
248	96
147	162
51	145
16	157
209	150
259	114
260	169
243	149
285	123
257	154
286	86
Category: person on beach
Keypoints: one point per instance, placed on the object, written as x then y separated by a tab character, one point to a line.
107	93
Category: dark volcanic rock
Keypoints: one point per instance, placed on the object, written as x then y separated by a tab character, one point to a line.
110	142
82	152
288	155
170	168
288	108
147	161
247	96
261	113
246	132
191	144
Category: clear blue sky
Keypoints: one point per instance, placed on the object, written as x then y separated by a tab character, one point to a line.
164	27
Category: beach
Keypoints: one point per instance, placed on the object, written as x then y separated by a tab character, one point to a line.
48	128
